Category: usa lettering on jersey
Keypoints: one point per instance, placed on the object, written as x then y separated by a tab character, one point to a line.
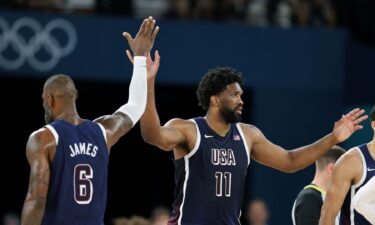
223	157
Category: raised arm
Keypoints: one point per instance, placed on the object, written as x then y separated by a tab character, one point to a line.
267	153
38	151
119	123
165	137
345	172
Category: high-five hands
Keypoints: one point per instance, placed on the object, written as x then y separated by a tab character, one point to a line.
143	42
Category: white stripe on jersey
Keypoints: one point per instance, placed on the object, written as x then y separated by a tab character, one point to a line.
244	142
104	132
53	131
186	158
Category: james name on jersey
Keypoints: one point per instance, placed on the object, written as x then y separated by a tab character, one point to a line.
83	148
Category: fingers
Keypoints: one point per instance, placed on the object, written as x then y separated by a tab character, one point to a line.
157	57
359	120
130	57
357	114
352	113
154	33
147	30
142	29
127	36
152	25
358	127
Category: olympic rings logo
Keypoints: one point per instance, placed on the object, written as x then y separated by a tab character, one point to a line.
42	39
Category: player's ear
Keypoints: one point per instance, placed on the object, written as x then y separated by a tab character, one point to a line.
373	125
50	100
214	100
330	167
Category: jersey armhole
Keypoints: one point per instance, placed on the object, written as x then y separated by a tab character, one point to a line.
239	128
103	131
197	142
364	165
54	133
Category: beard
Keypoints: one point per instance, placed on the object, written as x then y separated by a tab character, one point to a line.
229	115
48	116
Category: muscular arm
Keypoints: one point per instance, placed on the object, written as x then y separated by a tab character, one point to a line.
272	155
119	123
347	170
277	157
165	137
37	151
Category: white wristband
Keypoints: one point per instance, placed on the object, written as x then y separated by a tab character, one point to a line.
137	91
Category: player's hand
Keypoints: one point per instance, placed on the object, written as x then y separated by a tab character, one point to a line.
143	42
348	124
152	65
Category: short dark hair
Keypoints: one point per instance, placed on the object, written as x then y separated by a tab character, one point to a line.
372	114
331	156
214	82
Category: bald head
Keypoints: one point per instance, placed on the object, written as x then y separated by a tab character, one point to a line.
62	87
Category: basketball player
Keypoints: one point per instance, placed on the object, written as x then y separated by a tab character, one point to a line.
212	153
69	156
350	174
308	204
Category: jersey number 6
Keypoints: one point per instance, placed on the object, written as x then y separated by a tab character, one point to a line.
83	188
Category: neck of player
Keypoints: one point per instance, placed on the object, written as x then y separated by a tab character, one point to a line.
217	123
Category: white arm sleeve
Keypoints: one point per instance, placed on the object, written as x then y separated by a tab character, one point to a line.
137	91
364	201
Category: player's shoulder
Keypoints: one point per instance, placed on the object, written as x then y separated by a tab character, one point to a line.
180	123
309	201
42	136
352	156
309	193
349	163
250	130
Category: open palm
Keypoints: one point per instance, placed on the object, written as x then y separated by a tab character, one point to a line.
348	124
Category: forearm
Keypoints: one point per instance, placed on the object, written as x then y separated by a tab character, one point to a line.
137	91
326	219
306	155
150	122
33	211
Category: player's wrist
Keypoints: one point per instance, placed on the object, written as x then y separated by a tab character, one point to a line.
139	61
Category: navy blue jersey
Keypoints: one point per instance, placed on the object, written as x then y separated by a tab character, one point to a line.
78	184
210	180
350	216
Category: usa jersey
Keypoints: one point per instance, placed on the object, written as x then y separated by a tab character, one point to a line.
210	180
350	216
78	183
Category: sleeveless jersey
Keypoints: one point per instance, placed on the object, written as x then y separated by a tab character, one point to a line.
78	183
350	216
210	180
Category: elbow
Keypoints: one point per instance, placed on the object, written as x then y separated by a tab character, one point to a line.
289	169
148	139
291	165
155	141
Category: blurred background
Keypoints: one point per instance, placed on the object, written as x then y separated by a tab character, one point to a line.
305	63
